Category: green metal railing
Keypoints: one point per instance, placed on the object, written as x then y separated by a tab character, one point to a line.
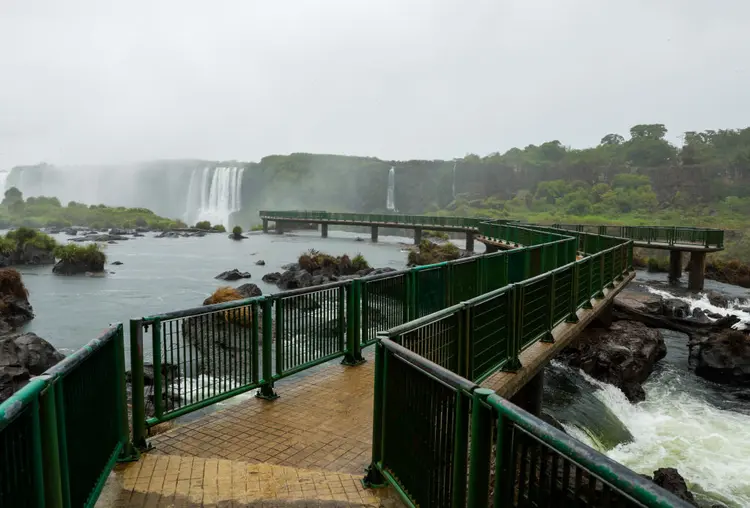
50	456
425	221
442	441
706	237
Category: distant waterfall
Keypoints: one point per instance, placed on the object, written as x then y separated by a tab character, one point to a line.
390	201
3	179
454	180
214	194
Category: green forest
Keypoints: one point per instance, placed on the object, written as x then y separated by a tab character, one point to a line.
39	212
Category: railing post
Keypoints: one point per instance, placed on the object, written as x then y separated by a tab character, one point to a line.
600	290
513	363
374	478
460	448
353	353
128	452
38	456
137	388
266	387
50	438
481	444
158	380
551	310
63	442
574	294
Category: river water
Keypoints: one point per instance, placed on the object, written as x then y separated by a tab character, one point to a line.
701	428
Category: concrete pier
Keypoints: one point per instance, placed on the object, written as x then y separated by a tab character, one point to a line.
697	275
374	234
417	236
470	242
265	225
675	265
531	395
324	230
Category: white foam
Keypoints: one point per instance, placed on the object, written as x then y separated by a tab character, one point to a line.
733	308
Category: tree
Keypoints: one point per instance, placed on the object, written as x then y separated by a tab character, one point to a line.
12	196
648	130
612	140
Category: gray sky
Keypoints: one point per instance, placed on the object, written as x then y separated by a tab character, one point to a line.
99	81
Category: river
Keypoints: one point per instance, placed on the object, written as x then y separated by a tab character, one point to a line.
698	427
685	422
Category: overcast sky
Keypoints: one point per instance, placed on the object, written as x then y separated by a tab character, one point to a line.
98	81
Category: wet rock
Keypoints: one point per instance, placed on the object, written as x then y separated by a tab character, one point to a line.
700	316
116	262
724	358
717	299
641	302
623	355
271	278
168	234
674	307
260	262
295	279
233	274
118	232
249	290
64	267
168	372
359	239
671	480
292	267
22	356
70	231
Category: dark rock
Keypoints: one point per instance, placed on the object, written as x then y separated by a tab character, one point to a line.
671	480
22	356
233	274
674	307
717	299
292	267
70	231
271	278
118	232
359	239
168	372
237	237
714	315
168	234
260	262
295	279
77	267
623	355
640	301
724	358
116	262
249	290
700	316
137	234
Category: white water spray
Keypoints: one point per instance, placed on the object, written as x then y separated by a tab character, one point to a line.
734	308
3	179
214	194
390	200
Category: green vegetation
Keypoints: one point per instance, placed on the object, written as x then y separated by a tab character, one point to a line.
38	212
429	253
24	236
91	254
314	260
220	228
236	231
441	235
204	224
257	227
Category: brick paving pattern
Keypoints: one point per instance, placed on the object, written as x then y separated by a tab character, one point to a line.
309	447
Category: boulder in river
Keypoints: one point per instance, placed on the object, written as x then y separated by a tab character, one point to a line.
15	309
76	267
623	355
674	307
271	278
233	274
671	480
260	262
724	358
249	290
117	262
23	355
640	301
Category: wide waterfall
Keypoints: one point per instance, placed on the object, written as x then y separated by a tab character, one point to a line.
390	201
214	194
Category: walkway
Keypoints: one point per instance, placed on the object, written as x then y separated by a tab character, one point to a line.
308	448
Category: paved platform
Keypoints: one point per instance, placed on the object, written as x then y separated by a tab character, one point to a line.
308	448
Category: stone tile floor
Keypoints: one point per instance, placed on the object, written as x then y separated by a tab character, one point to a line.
309	447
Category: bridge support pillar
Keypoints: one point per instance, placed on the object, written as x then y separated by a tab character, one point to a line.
374	233
675	265
697	269
265	225
417	236
279	227
604	318
529	398
470	242
324	230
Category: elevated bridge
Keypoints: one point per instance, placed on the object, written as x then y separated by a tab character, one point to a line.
677	240
428	377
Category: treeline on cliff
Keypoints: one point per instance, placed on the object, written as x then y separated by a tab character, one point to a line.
38	212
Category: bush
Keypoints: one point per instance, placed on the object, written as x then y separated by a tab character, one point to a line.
241	315
27	236
204	224
359	262
220	228
236	231
91	254
11	283
429	253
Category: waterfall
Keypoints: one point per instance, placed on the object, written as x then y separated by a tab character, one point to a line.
3	179
454	179
214	194
390	201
